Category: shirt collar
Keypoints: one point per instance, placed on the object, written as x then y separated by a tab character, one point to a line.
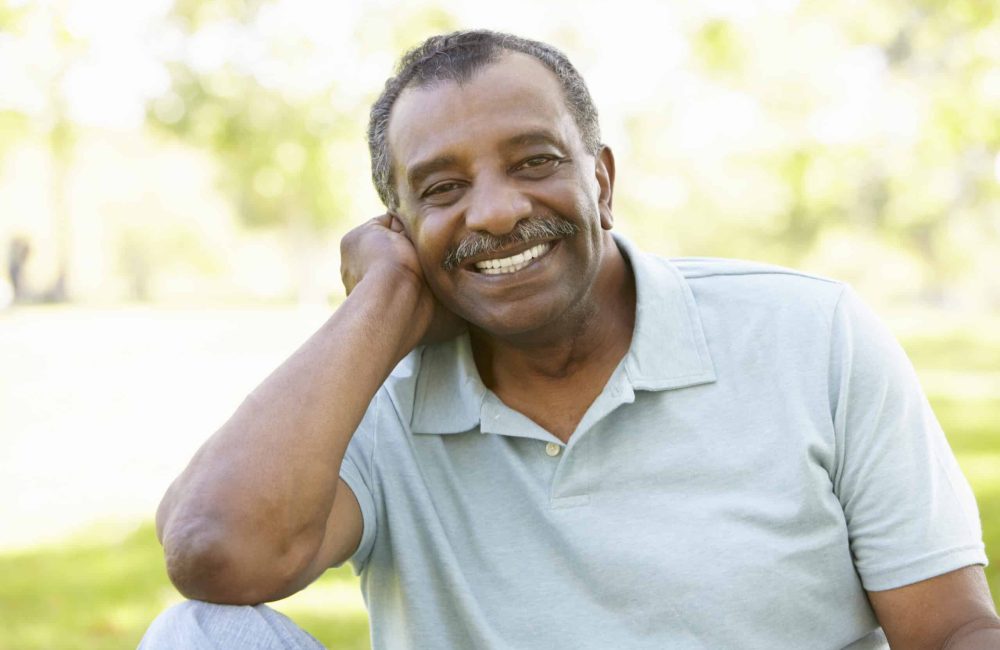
668	347
668	351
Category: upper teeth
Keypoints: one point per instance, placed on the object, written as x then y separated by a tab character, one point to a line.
514	262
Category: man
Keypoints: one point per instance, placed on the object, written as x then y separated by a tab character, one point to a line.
546	438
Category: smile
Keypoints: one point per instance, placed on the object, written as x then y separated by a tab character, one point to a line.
514	263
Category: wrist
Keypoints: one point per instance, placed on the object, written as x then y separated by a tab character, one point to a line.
399	305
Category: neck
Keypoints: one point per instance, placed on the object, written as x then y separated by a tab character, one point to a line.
588	339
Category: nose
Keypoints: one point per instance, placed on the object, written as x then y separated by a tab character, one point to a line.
495	206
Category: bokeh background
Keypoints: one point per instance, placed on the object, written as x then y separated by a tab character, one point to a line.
175	177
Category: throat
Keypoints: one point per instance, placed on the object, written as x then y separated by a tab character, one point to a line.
552	385
558	408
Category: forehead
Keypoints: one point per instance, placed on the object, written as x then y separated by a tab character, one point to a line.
515	95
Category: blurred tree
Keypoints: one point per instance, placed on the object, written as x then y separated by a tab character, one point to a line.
786	126
13	127
13	122
40	39
267	104
949	187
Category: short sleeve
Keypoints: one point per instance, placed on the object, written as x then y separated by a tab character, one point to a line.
910	513
357	472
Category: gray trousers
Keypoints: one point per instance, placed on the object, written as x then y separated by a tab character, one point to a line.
195	625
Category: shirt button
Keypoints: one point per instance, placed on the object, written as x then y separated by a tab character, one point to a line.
552	449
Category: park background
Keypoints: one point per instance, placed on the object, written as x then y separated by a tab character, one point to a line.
175	177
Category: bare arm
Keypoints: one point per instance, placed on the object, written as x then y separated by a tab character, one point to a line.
259	512
953	611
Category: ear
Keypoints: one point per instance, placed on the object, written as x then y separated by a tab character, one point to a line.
398	223
605	173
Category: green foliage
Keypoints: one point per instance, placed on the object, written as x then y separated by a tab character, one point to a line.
11	17
278	146
272	145
13	126
882	119
717	45
273	153
198	13
398	28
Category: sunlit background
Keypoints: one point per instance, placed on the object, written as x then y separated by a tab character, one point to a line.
175	178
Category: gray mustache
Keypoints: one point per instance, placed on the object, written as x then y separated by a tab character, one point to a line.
526	230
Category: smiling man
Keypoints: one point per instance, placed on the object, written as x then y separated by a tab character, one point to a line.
546	438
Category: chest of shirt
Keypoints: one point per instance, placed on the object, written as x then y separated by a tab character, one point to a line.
686	497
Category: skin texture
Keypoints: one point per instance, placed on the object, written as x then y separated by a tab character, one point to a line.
479	158
255	516
951	611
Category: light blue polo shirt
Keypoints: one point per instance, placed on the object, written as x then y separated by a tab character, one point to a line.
761	456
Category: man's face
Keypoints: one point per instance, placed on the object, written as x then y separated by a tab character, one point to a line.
474	164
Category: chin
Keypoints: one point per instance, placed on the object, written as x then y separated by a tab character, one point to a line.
520	321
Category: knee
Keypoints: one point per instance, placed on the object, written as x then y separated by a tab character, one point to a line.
198	625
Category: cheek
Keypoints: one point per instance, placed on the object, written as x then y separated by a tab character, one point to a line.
587	212
432	246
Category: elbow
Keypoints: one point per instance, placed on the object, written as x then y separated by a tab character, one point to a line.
201	568
204	563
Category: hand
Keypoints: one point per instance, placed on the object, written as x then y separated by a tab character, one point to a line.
381	249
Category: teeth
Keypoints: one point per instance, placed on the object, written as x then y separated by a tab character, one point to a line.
513	263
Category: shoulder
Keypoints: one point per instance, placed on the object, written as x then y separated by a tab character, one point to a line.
722	270
743	286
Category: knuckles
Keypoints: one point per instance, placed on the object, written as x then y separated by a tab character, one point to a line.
377	242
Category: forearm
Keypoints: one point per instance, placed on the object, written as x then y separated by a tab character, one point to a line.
980	634
262	487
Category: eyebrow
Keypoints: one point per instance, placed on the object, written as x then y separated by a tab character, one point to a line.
422	170
540	136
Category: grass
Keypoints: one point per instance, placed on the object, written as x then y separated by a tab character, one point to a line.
99	594
100	591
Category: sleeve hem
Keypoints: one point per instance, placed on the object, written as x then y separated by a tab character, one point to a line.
924	568
352	477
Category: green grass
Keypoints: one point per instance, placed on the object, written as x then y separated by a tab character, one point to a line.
959	349
92	594
972	428
967	405
99	593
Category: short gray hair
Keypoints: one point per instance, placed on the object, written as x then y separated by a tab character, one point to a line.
456	57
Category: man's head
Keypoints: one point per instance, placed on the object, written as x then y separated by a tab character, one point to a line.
505	199
457	57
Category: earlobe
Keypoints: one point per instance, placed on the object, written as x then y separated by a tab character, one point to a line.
605	172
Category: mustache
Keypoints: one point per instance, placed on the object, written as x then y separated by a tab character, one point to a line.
526	230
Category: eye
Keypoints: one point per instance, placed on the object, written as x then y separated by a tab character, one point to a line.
442	188
538	166
537	161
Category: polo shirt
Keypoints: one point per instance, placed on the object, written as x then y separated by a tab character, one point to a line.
761	456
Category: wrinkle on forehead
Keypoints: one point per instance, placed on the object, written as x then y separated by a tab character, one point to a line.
517	93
